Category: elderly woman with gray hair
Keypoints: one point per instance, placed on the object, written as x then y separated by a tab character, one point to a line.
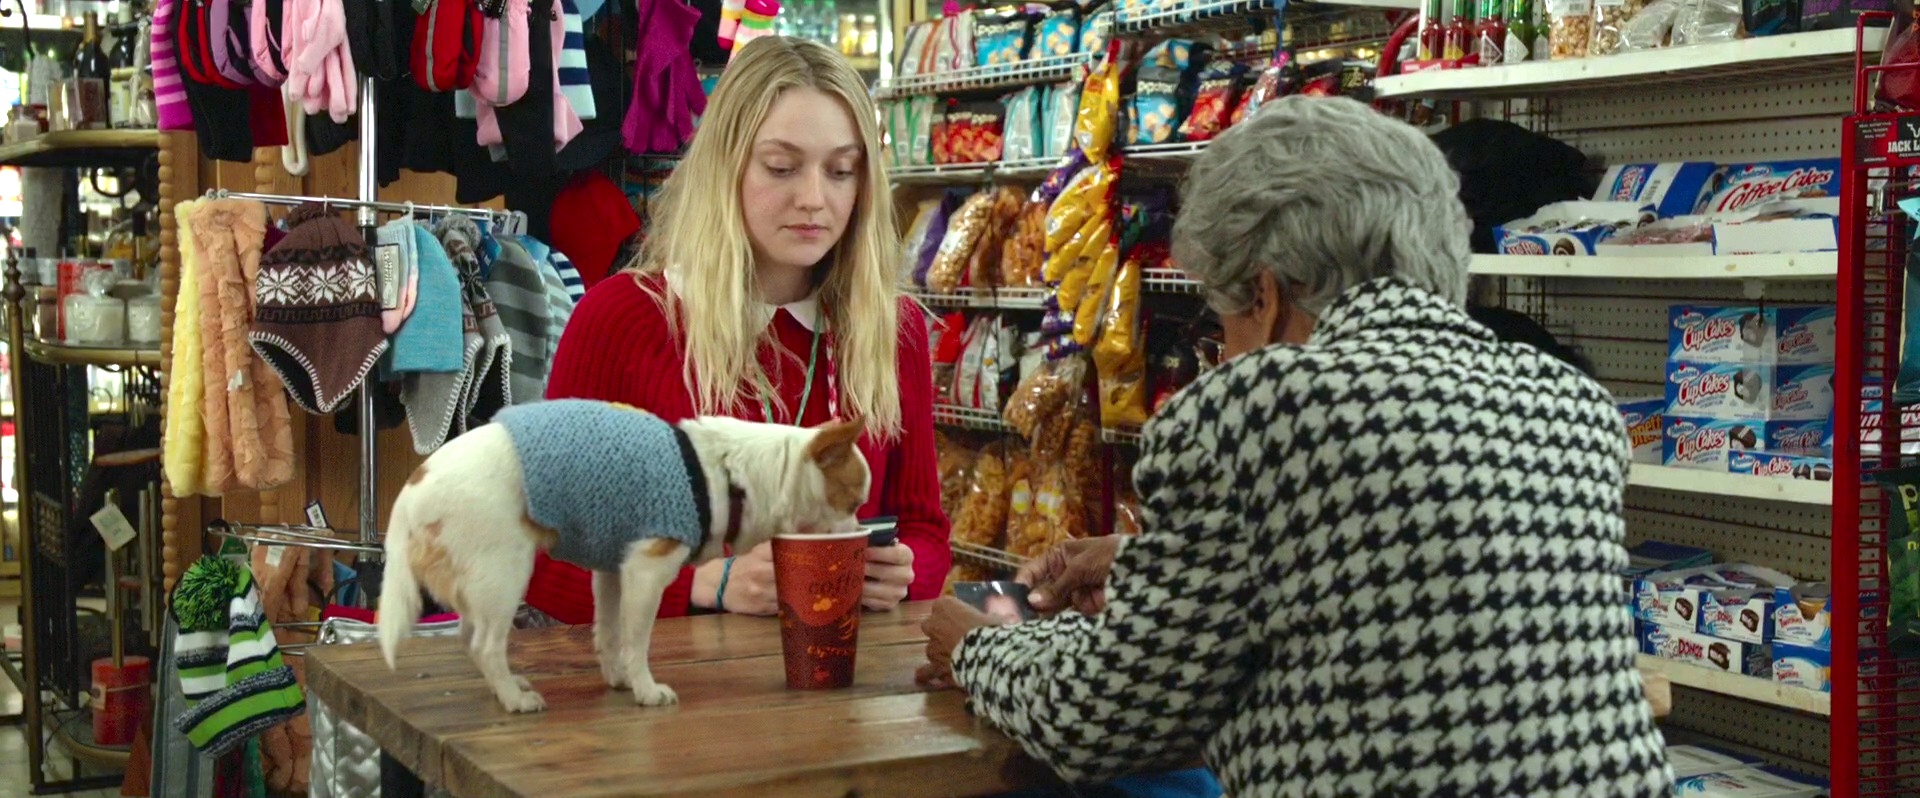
1380	548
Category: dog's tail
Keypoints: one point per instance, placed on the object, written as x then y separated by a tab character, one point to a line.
400	594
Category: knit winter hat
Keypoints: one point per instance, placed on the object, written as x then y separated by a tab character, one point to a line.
231	670
489	385
519	292
394	252
435	397
317	321
592	218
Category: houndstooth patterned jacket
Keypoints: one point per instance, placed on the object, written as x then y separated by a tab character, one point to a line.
1381	564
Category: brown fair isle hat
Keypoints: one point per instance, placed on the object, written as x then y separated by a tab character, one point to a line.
317	309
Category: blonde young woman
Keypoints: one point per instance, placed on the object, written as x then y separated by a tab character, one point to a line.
767	291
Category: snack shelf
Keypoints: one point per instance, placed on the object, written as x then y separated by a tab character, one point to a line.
1693	480
1793	266
968	418
1167	281
986	556
1750	688
993	298
1027	169
1818	54
1174	18
1052	69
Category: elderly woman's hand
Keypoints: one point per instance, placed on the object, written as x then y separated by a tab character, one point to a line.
1072	574
951	620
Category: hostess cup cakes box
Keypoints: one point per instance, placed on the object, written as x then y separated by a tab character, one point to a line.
1748	391
1814	467
1792	334
1694	760
1748	782
1643	418
1707	443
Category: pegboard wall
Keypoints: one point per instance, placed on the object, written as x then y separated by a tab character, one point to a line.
1792	740
1725	122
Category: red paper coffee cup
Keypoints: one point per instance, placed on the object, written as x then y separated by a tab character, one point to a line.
819	580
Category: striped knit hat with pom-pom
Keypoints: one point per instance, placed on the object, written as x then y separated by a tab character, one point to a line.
317	310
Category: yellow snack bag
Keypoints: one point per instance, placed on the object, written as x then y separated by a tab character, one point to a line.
1082	199
1120	356
1087	319
1099	110
1067	257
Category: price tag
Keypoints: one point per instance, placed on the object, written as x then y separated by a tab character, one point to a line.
274	555
386	259
316	517
112	526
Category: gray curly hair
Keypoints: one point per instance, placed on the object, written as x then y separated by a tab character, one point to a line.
1325	193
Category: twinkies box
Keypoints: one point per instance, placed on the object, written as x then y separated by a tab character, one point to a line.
1737	187
1803	666
1694	648
1737	391
1748	782
1803	616
1671	188
1791	334
1643	417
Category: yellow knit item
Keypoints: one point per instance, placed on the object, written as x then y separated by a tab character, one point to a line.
184	445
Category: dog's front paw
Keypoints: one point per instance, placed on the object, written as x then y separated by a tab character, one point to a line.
655	695
616	677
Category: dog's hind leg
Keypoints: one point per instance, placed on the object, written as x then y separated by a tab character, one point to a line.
609	636
490	612
649	568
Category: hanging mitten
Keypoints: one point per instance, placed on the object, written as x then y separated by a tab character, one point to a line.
756	21
730	13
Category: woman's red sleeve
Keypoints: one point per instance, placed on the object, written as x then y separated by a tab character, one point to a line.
913	474
616	348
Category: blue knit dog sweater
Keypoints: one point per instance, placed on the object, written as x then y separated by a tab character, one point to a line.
605	476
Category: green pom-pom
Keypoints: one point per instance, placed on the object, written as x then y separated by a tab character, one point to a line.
200	597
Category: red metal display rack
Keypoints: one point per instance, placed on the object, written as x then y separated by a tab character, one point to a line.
1876	696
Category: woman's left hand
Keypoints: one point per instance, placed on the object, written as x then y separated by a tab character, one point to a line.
951	620
889	572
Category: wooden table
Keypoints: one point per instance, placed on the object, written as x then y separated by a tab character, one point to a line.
738	731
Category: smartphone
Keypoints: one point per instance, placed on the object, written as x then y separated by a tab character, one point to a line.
881	532
1006	601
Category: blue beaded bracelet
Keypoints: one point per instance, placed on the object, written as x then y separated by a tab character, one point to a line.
720	595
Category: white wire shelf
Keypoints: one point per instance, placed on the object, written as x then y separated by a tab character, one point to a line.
1751	688
1120	437
1693	480
1052	69
969	418
991	298
1167	281
986	556
1796	266
1797	56
1026	169
1171	17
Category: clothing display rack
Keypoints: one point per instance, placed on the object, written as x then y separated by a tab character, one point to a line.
366	207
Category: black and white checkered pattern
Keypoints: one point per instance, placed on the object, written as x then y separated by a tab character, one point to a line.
1382	564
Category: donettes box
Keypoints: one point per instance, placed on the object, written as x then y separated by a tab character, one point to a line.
1694	648
1643	418
1792	334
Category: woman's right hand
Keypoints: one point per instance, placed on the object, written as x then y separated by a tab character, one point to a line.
749	589
1072	574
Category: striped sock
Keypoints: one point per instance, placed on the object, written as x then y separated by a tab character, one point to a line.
756	20
730	11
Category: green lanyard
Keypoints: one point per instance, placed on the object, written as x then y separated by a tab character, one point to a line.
806	394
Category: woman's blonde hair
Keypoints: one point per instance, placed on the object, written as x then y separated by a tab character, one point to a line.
698	240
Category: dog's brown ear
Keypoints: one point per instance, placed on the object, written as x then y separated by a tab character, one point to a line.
833	442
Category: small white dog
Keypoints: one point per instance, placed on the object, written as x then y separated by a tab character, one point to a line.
614	490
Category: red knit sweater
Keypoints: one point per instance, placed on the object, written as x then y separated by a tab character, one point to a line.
617	348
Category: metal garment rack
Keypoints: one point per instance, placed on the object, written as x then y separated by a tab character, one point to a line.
366	208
